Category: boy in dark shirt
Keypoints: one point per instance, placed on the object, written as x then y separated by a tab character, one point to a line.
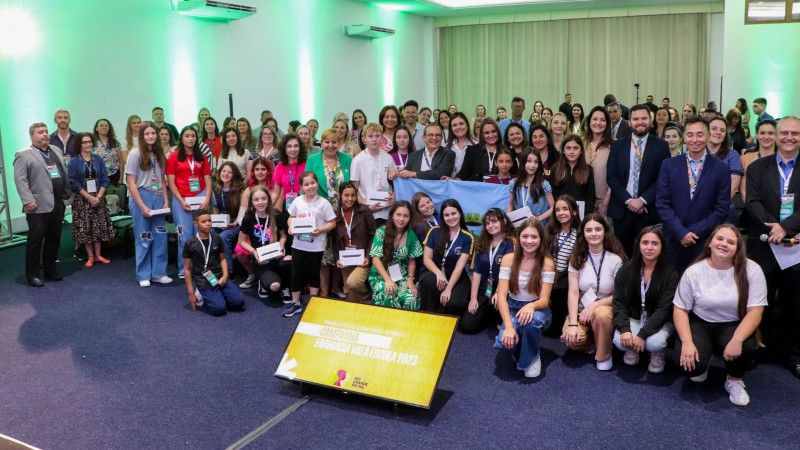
204	258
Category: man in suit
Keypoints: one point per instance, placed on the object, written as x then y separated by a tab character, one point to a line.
610	98
43	187
693	196
433	161
632	176
620	127
773	202
158	119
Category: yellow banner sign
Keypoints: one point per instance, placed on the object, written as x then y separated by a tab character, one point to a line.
389	353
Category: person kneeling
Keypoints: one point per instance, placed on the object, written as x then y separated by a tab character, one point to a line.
523	297
643	293
204	258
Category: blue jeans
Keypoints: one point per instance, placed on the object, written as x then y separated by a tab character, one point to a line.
654	343
184	225
229	238
221	298
151	253
530	335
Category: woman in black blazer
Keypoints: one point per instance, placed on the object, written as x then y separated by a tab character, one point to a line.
479	158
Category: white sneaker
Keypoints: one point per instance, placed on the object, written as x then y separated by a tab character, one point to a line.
631	358
738	394
144	283
248	282
199	296
700	378
606	364
535	369
656	362
162	280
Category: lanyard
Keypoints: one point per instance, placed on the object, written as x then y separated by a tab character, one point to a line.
427	160
434	223
191	165
45	155
598	269
402	161
348	226
645	287
291	178
785	179
263	228
206	253
527	195
694	177
560	243
88	166
639	153
491	257
491	160
447	249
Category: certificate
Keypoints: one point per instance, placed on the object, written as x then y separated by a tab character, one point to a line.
581	208
394	273
195	202
267	252
519	215
351	257
220	220
588	297
302	225
156	212
786	256
377	197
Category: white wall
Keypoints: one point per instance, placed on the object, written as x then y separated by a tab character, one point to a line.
716	43
101	58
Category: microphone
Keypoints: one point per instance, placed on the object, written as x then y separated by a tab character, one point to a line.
790	241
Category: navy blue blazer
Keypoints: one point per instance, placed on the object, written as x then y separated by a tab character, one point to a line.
681	214
655	152
77	176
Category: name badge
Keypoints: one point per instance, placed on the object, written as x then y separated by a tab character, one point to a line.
290	198
787	206
52	170
489	283
155	186
194	184
91	186
212	279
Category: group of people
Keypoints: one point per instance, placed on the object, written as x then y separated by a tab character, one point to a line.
300	214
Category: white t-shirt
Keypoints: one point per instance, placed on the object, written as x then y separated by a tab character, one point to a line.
372	173
712	295
322	211
524	277
588	277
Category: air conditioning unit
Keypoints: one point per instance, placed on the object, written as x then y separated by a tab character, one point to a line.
213	9
367	31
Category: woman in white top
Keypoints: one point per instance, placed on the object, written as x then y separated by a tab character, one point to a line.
131	133
718	306
234	151
523	297
592	267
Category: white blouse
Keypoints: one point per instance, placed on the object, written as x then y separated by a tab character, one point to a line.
524	277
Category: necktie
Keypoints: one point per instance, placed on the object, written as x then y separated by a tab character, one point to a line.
637	166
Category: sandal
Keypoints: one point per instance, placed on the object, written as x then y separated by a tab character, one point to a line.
89	262
102	260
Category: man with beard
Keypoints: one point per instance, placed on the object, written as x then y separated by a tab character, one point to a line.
633	168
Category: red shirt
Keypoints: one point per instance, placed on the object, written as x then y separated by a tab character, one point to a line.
184	170
215	145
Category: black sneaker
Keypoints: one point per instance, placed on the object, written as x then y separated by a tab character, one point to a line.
292	309
262	293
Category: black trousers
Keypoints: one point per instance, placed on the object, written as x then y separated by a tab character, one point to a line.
710	337
456	306
305	269
558	304
44	240
780	325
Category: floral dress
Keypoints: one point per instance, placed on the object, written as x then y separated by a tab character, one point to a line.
404	298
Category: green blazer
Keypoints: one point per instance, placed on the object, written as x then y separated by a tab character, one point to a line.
314	164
